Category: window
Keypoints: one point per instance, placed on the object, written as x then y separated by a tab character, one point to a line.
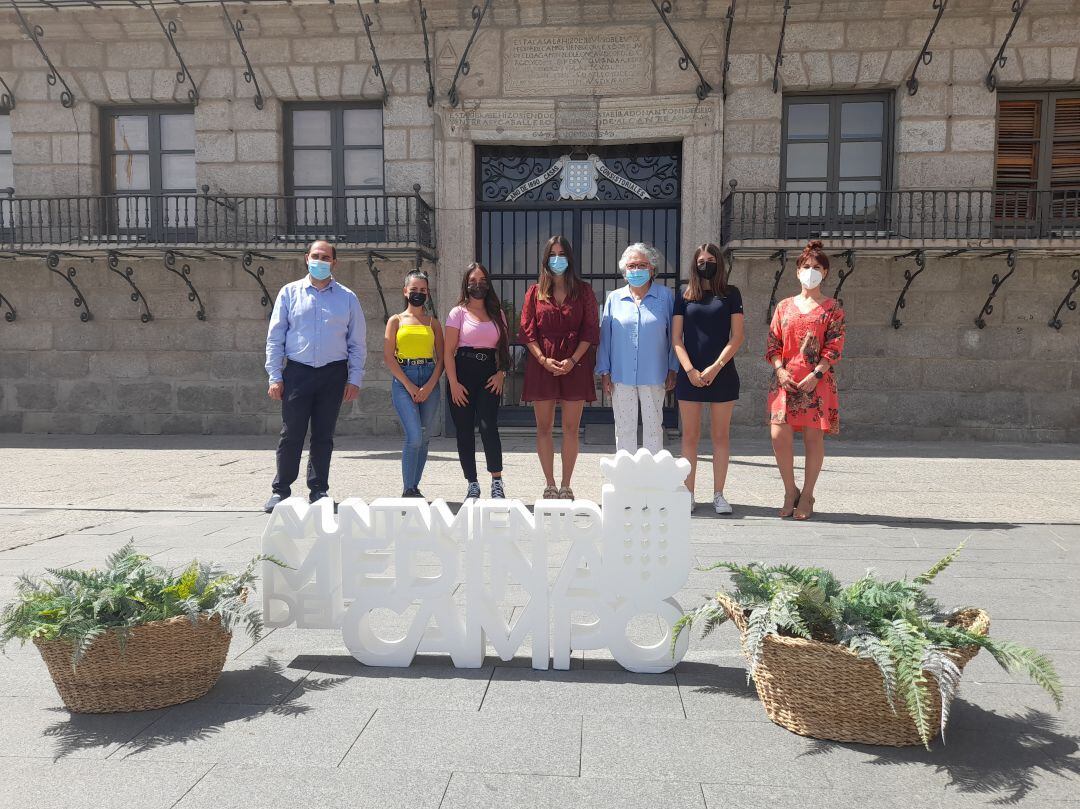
7	181
7	174
149	167
1037	168
334	168
835	160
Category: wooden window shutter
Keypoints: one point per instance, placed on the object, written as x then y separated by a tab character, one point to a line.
1016	167
1065	157
1019	124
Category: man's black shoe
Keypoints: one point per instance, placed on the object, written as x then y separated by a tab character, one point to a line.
317	496
273	501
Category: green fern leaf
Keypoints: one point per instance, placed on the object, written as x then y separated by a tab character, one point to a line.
947	674
940	565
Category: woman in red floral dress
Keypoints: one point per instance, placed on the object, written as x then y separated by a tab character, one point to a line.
805	341
560	328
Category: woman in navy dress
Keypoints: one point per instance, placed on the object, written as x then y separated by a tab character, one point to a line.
706	331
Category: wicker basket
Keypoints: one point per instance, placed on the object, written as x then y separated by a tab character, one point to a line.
163	663
827	692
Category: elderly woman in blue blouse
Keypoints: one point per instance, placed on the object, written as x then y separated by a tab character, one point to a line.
635	360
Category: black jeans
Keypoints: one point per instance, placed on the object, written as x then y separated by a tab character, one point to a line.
311	395
482	409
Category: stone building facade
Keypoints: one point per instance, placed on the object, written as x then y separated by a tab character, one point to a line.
595	77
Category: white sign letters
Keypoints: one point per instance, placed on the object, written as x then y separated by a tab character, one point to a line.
453	572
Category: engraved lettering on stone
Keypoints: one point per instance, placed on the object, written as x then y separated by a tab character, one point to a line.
500	120
548	63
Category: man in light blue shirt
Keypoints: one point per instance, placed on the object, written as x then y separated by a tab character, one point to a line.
635	360
315	354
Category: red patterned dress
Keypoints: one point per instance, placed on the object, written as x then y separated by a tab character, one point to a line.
802	341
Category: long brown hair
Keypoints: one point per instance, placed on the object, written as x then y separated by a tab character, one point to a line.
494	310
815	251
698	287
546	283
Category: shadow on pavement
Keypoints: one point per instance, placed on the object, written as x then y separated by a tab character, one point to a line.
705	511
711	678
999	756
81	732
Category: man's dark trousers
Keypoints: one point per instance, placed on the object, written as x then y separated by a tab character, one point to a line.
311	395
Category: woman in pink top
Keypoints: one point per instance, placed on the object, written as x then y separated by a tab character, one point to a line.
477	354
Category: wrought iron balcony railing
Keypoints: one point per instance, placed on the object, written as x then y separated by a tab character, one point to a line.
220	220
922	215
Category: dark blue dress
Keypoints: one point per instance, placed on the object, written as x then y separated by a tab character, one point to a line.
706	330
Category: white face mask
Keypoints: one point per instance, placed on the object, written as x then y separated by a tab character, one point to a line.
810	278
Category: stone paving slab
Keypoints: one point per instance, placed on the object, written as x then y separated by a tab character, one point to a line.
295	721
290	733
466	741
74	784
581	693
671	749
497	791
230	786
437	687
53	485
40	727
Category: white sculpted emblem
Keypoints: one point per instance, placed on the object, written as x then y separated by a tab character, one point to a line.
625	559
579	179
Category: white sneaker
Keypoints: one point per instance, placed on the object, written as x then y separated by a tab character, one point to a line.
721	505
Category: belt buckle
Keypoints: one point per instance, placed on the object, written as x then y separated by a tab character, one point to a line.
480	355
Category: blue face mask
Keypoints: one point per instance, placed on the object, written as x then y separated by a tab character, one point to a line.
558	264
320	270
638	278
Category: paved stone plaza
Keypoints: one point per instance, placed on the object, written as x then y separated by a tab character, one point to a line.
295	721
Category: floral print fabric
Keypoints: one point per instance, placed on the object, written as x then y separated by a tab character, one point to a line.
802	340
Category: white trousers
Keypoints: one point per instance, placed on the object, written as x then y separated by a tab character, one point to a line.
625	401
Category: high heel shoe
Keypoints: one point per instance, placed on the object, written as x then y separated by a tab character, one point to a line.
803	514
789	509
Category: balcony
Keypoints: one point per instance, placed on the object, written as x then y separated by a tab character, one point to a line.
902	220
387	222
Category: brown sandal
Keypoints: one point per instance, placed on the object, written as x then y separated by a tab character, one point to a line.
802	514
788	510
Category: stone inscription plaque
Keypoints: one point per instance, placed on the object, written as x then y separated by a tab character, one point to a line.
500	120
548	62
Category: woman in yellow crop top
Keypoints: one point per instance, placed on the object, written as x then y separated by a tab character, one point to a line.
413	352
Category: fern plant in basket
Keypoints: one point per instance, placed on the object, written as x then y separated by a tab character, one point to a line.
133	636
876	662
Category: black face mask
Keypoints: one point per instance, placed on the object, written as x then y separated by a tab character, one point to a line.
417	298
477	291
706	270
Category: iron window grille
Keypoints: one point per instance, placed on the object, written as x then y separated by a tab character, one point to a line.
334	172
148	164
834	163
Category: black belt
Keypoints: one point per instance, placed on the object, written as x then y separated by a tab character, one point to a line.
422	361
482	354
333	364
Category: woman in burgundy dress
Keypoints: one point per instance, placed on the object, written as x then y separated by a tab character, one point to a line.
560	327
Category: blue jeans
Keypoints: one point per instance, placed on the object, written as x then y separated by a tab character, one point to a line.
416	420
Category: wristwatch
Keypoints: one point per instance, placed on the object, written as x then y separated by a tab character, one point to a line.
819	374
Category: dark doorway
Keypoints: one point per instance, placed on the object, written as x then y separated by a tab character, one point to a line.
601	198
